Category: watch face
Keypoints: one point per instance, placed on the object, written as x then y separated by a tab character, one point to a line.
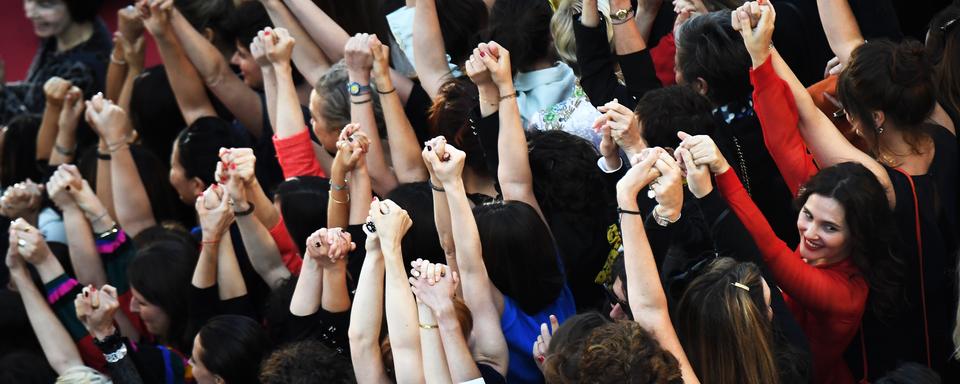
621	14
353	88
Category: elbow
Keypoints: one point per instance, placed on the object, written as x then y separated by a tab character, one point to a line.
363	337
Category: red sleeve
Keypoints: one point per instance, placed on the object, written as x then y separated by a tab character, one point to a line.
91	355
777	111
664	56
296	157
288	251
816	289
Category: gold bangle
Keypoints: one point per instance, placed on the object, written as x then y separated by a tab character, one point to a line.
338	201
428	326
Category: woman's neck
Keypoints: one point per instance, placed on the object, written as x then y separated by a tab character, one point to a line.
74	35
895	150
476	183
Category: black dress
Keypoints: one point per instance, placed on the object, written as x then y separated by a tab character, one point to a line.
903	338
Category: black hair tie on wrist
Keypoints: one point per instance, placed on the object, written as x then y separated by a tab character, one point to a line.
370	227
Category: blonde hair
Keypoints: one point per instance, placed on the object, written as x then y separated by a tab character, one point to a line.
561	27
82	375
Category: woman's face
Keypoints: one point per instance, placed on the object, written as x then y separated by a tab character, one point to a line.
186	188
154	318
200	372
328	138
823	230
249	69
49	17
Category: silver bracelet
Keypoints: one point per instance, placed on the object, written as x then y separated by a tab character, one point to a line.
117	355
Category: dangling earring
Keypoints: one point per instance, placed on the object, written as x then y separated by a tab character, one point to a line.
880	130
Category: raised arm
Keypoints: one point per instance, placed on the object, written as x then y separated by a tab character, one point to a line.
57	345
278	45
840	26
242	101
55	90
84	258
483	299
365	325
338	203
404	149
307	55
441	209
332	38
134	211
359	61
775	107
627	36
644	290
513	173
230	283
428	48
184	79
392	222
435	286
65	144
215	218
823	139
241	186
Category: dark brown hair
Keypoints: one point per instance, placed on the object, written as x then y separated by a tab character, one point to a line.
895	78
449	116
724	328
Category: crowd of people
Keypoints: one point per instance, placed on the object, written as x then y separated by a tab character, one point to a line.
483	191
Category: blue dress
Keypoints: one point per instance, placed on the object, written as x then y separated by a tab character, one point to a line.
521	331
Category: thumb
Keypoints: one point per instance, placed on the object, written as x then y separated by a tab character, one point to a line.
683	135
687	159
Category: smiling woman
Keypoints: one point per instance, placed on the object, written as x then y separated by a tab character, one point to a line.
75	45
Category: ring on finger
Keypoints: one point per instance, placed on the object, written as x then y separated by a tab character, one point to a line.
384	209
21	242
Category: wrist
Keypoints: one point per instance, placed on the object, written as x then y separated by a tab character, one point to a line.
672	214
445	311
701	192
103	332
627	198
720	168
359	75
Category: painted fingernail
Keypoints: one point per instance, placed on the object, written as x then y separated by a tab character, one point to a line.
482	54
429	148
233	165
266	33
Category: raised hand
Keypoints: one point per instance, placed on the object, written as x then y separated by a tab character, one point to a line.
757	36
477	71
14	261
22	200
55	90
155	15
73	108
433	284
668	188
391	221
373	240
129	23
68	177
357	54
381	63
215	214
30	242
704	152
278	45
542	344
639	176
698	176
444	160
96	308
623	125
107	119
240	162
351	147
497	61
58	188
259	52
134	50
329	246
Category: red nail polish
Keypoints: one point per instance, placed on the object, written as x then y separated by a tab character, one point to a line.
233	166
266	33
482	54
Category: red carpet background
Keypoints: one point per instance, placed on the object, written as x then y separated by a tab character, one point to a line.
18	44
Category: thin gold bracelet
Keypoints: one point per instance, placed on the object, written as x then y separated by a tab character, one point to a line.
428	326
338	201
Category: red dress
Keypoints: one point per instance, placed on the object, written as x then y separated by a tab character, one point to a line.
828	300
